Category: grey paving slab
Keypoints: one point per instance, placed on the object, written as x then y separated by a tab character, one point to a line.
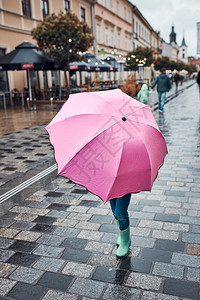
27	275
88	288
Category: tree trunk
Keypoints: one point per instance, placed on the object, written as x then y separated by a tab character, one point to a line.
67	83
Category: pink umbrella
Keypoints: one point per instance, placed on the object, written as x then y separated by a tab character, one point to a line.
108	142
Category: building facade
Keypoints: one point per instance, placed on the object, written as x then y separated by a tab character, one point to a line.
118	27
17	19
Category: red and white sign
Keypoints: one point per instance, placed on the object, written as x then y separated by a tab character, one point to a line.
73	67
28	66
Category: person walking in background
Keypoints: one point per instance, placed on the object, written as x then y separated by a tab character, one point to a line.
176	79
143	94
163	85
198	81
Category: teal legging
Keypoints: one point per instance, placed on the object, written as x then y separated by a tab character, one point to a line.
119	208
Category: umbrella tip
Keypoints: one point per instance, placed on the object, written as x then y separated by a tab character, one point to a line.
124	119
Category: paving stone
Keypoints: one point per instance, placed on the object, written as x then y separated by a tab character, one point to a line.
58	295
165	234
76	255
5	255
5	243
23	225
189	220
45	220
168	270
186	260
90	235
75	243
7	222
5	286
193	249
135	265
110	275
166	217
22	259
58	214
43	228
26	291
50	240
155	209
78	270
28	236
157	296
8	232
23	246
49	264
103	260
176	227
55	281
46	250
151	224
6	269
168	245
191	238
181	288
193	274
101	219
156	255
66	232
142	215
27	275
25	217
118	292
88	288
144	281
99	247
140	241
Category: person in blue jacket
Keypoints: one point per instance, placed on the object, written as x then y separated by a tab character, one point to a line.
163	85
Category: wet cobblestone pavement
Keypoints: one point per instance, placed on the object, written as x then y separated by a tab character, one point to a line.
57	241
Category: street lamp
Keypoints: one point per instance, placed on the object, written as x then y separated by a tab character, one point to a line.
114	53
68	60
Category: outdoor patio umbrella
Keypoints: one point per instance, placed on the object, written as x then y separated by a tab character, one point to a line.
108	142
26	57
97	64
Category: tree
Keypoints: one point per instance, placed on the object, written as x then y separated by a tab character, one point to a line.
162	62
63	37
139	55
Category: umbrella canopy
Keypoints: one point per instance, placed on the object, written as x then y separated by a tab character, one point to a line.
26	56
115	64
97	64
79	66
108	142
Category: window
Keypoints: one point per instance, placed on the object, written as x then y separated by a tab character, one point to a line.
82	14
98	33
111	5
26	8
119	40
107	36
67	4
45	8
105	3
125	13
112	38
129	16
117	8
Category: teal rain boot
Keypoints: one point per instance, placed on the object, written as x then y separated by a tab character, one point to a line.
119	238
125	241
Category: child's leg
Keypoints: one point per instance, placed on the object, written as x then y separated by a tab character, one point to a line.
121	211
